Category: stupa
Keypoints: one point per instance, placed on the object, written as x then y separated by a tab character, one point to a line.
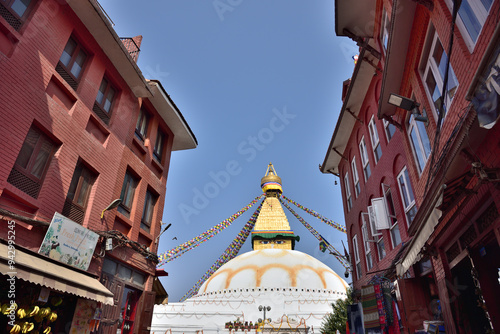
294	289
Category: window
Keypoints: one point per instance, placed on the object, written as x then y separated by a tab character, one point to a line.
384	31
15	11
127	195
377	150
380	247
32	163
141	127
147	214
390	130
159	145
471	18
355	176
366	242
420	142
407	195
348	196
364	159
395	235
104	100
71	63
78	193
356	256
433	75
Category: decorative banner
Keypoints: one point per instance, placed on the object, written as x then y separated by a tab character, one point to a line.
69	242
207	235
318	236
229	254
317	215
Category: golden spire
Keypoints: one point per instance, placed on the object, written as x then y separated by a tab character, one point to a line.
272	229
271	182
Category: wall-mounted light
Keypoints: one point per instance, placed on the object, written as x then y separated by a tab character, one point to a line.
407	104
111	206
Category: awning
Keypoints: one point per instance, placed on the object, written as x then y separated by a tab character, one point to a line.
418	242
37	270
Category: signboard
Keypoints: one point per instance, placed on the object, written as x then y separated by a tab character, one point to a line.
69	242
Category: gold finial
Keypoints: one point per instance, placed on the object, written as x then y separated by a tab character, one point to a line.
271	182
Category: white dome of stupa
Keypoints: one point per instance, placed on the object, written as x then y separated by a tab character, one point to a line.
286	270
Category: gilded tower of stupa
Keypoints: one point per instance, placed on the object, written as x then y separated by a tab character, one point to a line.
272	229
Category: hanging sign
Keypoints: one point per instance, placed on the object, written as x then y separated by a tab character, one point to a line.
69	242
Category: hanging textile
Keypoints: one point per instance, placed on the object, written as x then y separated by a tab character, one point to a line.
370	309
317	215
230	253
205	236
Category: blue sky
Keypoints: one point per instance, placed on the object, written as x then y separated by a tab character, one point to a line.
258	82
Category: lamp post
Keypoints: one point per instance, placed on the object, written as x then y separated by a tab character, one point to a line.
264	308
111	206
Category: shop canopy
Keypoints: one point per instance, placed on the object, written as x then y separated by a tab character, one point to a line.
37	270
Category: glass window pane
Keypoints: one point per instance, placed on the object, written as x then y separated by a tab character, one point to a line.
20	6
27	149
101	91
109	99
78	64
426	143
487	4
68	52
125	273
109	267
41	159
416	148
138	278
410	190
396	237
470	20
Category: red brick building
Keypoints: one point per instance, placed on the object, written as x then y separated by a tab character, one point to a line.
442	169
82	127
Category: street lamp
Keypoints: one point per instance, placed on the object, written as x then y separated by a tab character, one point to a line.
111	206
408	104
264	308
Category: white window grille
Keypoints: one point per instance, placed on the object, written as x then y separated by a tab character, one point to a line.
355	177
364	159
377	149
348	195
406	192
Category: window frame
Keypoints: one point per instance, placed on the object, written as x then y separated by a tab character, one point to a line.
7	4
366	237
27	171
130	181
356	256
430	67
83	172
355	177
384	31
411	125
69	67
347	190
480	12
159	152
387	129
375	139
407	196
365	162
102	105
391	210
148	211
142	124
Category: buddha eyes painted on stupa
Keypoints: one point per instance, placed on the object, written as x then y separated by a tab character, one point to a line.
267	242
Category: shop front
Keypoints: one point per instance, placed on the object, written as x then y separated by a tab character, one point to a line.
40	294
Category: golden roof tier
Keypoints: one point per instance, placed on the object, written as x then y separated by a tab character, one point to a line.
272	229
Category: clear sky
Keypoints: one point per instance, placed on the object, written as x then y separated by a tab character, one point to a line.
258	81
